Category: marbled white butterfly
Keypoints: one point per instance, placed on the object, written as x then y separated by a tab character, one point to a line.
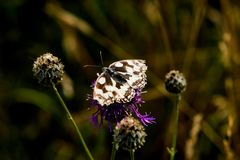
118	82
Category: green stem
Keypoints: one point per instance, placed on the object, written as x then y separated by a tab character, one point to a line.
113	152
172	151
73	122
132	154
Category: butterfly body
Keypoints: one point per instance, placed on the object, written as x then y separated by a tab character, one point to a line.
114	75
118	82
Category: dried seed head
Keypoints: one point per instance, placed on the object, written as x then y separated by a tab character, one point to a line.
175	82
129	134
48	69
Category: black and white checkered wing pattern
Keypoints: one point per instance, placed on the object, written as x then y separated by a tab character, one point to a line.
133	72
118	82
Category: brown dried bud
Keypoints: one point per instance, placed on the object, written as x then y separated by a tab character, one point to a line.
48	69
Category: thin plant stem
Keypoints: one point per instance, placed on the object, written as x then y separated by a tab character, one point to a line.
69	116
132	154
113	154
172	151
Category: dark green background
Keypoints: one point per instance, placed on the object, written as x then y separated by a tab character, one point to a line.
200	38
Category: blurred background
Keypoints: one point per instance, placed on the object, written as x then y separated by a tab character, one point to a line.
197	37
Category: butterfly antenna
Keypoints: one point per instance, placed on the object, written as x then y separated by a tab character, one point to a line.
92	66
96	65
101	58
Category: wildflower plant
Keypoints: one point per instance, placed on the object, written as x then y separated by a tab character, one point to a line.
115	112
175	83
49	71
117	96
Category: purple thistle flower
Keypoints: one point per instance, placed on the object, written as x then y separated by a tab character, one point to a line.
115	112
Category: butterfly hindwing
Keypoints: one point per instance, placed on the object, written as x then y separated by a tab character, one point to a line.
118	82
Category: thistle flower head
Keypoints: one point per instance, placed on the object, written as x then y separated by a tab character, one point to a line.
48	69
115	112
175	82
129	134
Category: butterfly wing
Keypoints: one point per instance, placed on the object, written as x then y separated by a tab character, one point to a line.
108	90
133	71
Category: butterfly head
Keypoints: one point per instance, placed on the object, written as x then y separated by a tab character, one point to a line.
105	69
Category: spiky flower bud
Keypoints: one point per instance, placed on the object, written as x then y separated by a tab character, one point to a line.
129	134
48	69
175	82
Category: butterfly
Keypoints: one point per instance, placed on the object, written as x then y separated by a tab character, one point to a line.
118	82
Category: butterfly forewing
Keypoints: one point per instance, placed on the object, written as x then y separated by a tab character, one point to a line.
118	82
